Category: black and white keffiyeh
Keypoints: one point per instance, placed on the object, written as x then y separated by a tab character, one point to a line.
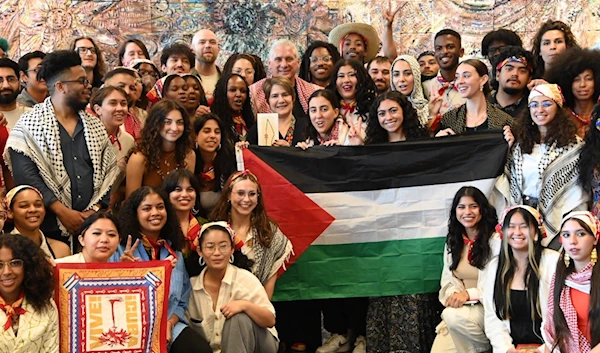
37	136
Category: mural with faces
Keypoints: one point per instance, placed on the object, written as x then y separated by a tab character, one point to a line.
251	25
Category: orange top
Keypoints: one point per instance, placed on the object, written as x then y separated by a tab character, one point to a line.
155	177
581	303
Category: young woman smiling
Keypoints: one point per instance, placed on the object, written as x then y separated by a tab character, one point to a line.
27	211
98	237
327	127
406	79
166	145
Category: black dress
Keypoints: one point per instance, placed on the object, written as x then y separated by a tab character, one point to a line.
523	329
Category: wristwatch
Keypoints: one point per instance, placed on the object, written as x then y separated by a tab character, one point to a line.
96	207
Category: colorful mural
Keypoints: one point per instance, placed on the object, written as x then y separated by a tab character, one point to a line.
251	25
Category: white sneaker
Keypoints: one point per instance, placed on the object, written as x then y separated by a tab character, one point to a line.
335	344
360	346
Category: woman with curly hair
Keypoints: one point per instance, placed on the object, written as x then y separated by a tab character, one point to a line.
477	113
92	59
28	315
165	145
542	170
589	162
98	237
249	66
215	160
317	63
392	119
577	72
471	242
356	91
517	282
150	222
571	323
406	79
232	105
552	39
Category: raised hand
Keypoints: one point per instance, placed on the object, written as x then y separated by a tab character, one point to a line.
129	250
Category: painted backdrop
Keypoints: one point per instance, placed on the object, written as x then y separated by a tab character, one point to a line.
251	25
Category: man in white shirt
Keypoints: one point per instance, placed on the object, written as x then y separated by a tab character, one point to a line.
206	48
10	87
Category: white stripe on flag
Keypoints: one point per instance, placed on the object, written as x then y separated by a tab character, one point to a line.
393	214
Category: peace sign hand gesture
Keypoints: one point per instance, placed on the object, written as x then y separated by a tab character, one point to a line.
129	250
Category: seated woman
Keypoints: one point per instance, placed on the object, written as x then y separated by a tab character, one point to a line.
249	66
228	305
149	220
518	281
327	127
281	96
570	324
98	237
182	187
542	168
577	73
166	145
392	119
232	105
477	113
26	209
28	315
406	79
215	160
471	242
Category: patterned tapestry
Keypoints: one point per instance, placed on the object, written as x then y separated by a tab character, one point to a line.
113	307
251	25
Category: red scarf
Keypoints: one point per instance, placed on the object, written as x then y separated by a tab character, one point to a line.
240	125
12	311
155	246
209	175
192	232
445	85
133	126
115	138
333	135
348	108
468	242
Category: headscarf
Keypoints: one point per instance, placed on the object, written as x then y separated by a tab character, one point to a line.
535	213
237	242
586	217
549	90
8	199
416	98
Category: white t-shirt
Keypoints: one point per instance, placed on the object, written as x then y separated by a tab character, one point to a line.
209	83
531	173
13	116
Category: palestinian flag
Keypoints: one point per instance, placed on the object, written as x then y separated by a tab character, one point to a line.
370	220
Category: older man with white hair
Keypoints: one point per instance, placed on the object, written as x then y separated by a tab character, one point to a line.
284	61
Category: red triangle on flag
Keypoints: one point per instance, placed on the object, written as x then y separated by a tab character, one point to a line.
299	217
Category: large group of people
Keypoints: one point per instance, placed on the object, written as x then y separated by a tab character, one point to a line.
137	163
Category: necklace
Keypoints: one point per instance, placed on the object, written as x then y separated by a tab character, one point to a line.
584	120
166	163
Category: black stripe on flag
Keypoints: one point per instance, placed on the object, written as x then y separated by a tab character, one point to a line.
441	160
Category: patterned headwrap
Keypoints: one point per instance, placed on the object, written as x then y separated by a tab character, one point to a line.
8	199
549	90
586	217
531	210
237	242
246	173
514	59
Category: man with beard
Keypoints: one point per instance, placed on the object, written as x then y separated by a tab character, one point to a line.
441	91
35	91
513	71
428	65
9	91
379	70
63	151
206	48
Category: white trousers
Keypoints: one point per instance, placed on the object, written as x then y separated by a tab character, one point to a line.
461	331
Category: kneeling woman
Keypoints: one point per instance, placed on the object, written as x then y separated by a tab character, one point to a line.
518	281
28	316
571	323
228	304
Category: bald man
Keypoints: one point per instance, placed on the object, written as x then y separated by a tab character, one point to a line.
206	48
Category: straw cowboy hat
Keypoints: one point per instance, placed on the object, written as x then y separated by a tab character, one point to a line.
366	31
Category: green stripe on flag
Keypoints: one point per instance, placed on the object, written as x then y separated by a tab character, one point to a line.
364	270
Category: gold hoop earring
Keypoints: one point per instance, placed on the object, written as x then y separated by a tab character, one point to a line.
567	260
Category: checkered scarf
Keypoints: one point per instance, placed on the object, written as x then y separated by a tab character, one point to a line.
265	258
576	343
37	136
261	104
558	174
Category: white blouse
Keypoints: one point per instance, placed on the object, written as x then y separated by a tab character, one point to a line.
531	172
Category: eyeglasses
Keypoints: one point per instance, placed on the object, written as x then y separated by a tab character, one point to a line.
13	264
239	71
326	59
251	194
545	105
85	50
82	81
35	71
147	73
210	248
9	79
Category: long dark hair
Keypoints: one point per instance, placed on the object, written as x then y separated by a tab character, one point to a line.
304	72
561	129
259	68
131	225
221	107
589	158
328	94
365	88
87	223
507	266
224	160
562	333
175	178
486	226
549	25
239	259
38	276
411	125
